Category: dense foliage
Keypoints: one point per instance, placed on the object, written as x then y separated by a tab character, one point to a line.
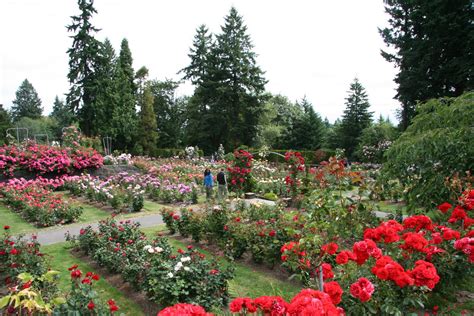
432	42
438	145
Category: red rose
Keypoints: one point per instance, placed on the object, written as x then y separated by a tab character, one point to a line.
330	248
6	227
444	207
91	305
272	233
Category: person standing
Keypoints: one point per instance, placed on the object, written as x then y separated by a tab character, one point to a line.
222	185
208	183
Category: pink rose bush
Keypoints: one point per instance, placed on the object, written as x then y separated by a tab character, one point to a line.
43	159
37	203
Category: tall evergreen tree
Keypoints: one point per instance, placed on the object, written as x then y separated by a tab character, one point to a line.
107	96
148	135
199	127
199	55
355	119
27	102
124	120
229	95
240	92
434	43
83	62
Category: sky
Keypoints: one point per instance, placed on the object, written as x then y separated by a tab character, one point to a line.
312	48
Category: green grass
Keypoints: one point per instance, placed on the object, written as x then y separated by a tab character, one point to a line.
247	281
17	224
61	259
90	214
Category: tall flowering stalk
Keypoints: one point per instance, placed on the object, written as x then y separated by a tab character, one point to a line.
296	166
240	177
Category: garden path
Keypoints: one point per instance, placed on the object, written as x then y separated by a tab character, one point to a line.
53	236
57	235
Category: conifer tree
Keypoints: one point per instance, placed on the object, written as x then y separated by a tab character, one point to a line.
355	119
148	135
5	123
433	43
83	63
27	102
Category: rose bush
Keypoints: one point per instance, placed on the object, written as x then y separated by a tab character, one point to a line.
151	266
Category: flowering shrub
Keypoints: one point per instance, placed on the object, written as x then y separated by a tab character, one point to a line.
396	266
122	159
240	177
306	302
295	165
39	295
18	255
183	309
38	204
165	277
186	277
43	159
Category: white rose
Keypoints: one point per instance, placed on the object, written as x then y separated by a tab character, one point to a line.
170	275
187	269
151	250
147	247
158	249
185	259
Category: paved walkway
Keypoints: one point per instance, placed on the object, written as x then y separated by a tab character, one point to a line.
49	237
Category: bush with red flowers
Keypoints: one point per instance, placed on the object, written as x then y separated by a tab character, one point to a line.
295	162
183	309
240	173
19	255
151	267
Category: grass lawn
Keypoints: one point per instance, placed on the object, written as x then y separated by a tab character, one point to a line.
17	224
247	281
90	214
62	259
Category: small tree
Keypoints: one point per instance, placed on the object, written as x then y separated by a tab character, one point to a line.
27	102
355	119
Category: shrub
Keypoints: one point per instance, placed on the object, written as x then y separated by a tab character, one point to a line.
438	144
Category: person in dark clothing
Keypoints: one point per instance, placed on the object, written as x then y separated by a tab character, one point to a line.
222	185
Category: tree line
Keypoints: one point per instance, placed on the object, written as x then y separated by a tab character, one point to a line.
230	105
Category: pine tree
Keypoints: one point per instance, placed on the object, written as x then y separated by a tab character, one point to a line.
199	128
148	128
27	102
106	98
355	119
433	42
199	55
83	62
240	94
124	120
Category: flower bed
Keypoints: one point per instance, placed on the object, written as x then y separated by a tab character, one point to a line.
18	255
127	192
393	269
166	277
37	203
43	159
40	295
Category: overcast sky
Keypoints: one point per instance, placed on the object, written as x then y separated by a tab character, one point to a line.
306	47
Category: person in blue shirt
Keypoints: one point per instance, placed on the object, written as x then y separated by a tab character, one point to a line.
208	183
